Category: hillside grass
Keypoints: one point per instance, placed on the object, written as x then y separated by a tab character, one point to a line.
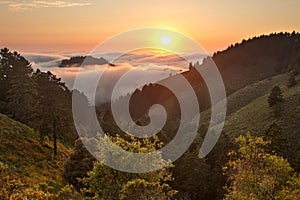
249	109
27	158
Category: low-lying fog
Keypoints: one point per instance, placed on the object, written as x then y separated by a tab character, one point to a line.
135	69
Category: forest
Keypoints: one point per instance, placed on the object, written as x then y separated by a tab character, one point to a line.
256	157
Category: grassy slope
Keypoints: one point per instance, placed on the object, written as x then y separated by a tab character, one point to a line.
249	111
27	158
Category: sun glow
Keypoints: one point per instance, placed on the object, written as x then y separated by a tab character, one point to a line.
165	40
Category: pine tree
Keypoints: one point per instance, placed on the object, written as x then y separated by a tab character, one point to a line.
54	107
292	81
275	96
78	165
18	87
22	97
6	58
278	140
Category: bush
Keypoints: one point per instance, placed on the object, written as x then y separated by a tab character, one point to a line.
3	107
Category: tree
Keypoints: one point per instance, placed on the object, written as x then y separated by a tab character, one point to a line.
22	93
191	66
255	174
292	81
6	66
17	86
278	141
275	96
193	177
54	105
78	165
107	183
144	190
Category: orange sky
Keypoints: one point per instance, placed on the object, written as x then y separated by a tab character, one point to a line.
79	25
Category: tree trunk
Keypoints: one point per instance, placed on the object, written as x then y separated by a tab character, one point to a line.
54	139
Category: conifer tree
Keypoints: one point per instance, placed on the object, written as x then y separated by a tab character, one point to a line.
275	96
292	81
278	140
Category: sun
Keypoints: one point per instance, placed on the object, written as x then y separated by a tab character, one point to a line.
165	40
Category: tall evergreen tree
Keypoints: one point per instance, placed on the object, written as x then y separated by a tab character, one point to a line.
278	140
78	165
54	107
6	66
17	86
275	96
292	81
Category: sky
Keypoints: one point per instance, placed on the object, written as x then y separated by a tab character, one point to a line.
80	25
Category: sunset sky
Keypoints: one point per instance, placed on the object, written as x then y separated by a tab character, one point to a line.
79	25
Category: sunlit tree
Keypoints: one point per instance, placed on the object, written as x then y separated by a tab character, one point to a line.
107	183
255	174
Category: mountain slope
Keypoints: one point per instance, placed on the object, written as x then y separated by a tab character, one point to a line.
26	158
249	112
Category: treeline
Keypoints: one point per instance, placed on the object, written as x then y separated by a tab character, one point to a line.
38	99
249	169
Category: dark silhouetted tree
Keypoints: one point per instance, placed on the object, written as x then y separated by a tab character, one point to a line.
17	86
191	66
292	81
78	165
54	108
277	138
275	96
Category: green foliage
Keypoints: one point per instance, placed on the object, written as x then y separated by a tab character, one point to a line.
17	86
291	191
192	177
12	187
107	183
78	165
143	190
10	64
69	192
38	99
275	96
55	115
255	174
3	107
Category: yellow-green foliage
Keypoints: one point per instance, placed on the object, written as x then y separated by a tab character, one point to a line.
108	183
142	190
27	161
255	174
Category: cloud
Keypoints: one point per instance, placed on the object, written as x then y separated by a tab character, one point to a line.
18	5
132	71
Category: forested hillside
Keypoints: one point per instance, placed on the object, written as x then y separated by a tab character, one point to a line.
256	157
